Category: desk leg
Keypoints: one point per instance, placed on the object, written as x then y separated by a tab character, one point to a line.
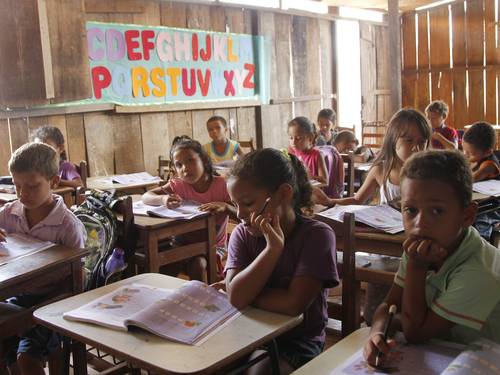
79	358
77	275
68	199
152	252
212	254
275	358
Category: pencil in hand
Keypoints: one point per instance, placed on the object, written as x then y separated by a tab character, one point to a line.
392	311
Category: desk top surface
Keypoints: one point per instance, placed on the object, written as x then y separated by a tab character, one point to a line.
332	358
20	268
105	183
241	336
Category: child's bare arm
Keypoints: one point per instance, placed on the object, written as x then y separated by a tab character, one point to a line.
485	171
419	322
161	196
447	144
322	171
292	301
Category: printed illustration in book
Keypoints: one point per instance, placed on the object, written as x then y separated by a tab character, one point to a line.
433	358
186	315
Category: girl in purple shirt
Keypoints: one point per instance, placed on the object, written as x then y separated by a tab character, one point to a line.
280	260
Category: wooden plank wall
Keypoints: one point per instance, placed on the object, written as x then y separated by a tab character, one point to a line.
375	77
302	82
468	80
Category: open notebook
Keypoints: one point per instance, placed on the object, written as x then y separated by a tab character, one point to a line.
382	217
188	315
433	358
18	244
488	187
187	210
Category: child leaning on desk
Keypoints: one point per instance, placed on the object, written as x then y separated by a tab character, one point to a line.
478	145
447	285
195	181
280	260
52	136
40	214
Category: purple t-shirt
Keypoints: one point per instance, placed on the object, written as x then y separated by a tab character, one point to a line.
67	171
309	251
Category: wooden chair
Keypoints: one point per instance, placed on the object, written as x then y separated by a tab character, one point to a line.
83	172
349	173
372	133
247	145
165	170
349	310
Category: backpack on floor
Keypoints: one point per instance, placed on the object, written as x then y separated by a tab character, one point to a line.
100	222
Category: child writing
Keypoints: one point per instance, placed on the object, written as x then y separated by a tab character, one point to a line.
478	145
407	132
278	259
52	136
345	142
327	127
448	280
302	133
221	148
195	181
443	137
38	213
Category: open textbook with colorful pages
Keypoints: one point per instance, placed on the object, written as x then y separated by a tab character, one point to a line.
382	217
433	358
187	210
188	315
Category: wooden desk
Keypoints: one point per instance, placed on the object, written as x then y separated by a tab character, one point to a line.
105	183
331	359
68	194
142	349
153	230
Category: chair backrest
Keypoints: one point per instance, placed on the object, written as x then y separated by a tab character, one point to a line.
165	170
348	160
372	133
345	242
335	168
247	145
83	172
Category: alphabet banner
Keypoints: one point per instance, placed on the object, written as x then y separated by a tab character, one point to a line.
132	64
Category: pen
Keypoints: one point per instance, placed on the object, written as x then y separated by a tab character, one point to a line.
264	207
392	311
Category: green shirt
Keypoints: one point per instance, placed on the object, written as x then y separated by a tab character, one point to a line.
466	289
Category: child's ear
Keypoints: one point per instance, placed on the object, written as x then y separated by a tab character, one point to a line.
54	181
285	193
470	214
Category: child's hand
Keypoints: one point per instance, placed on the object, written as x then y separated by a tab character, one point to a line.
423	251
319	197
271	229
219	285
3	235
214	207
172	200
375	344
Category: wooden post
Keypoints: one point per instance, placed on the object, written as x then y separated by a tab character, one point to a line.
395	53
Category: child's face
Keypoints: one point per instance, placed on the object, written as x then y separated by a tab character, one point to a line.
33	189
345	147
411	141
431	210
298	139
249	199
188	165
324	125
473	153
216	130
435	119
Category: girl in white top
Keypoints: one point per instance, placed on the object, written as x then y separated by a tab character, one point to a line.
408	132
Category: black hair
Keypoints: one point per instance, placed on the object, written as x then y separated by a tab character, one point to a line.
269	168
191	144
447	166
345	136
327	113
180	138
218	118
306	125
481	135
50	133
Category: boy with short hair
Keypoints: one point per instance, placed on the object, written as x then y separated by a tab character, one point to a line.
38	213
448	280
478	145
443	137
221	148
